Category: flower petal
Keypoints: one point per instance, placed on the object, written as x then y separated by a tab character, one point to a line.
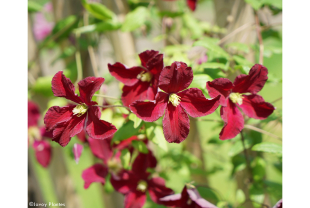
124	75
175	124
220	86
125	143
192	4
253	82
142	163
82	136
152	110
173	200
88	87
43	152
146	56
196	104
63	132
77	151
255	106
124	182
139	92
158	190
155	65
95	173
33	114
233	120
101	148
176	77
197	200
96	128
63	87
56	115
135	199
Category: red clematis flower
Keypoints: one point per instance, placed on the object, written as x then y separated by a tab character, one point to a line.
111	162
241	93
36	135
68	121
141	83
136	182
176	101
189	198
190	3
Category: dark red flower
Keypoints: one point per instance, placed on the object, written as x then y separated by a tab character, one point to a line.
177	101
189	198
190	3
135	183
141	83
241	93
36	135
68	121
102	149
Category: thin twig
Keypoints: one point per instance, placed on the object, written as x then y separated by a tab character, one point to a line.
261	131
276	100
91	50
246	157
105	96
79	66
260	40
239	29
212	120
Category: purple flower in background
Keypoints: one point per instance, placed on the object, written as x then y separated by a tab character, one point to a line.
203	58
42	27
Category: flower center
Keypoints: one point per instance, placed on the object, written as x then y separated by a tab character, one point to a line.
80	109
142	185
174	99
145	76
114	165
34	134
236	97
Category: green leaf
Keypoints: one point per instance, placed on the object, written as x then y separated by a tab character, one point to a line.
34	7
126	131
256	4
192	24
275	3
200	80
156	135
99	27
135	19
140	146
108	188
211	44
125	158
99	11
237	147
170	14
61	30
240	196
268	147
137	121
214	65
43	86
259	166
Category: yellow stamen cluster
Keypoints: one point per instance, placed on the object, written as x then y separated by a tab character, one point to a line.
34	134
145	76
174	99
236	97
114	166
142	186
80	109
